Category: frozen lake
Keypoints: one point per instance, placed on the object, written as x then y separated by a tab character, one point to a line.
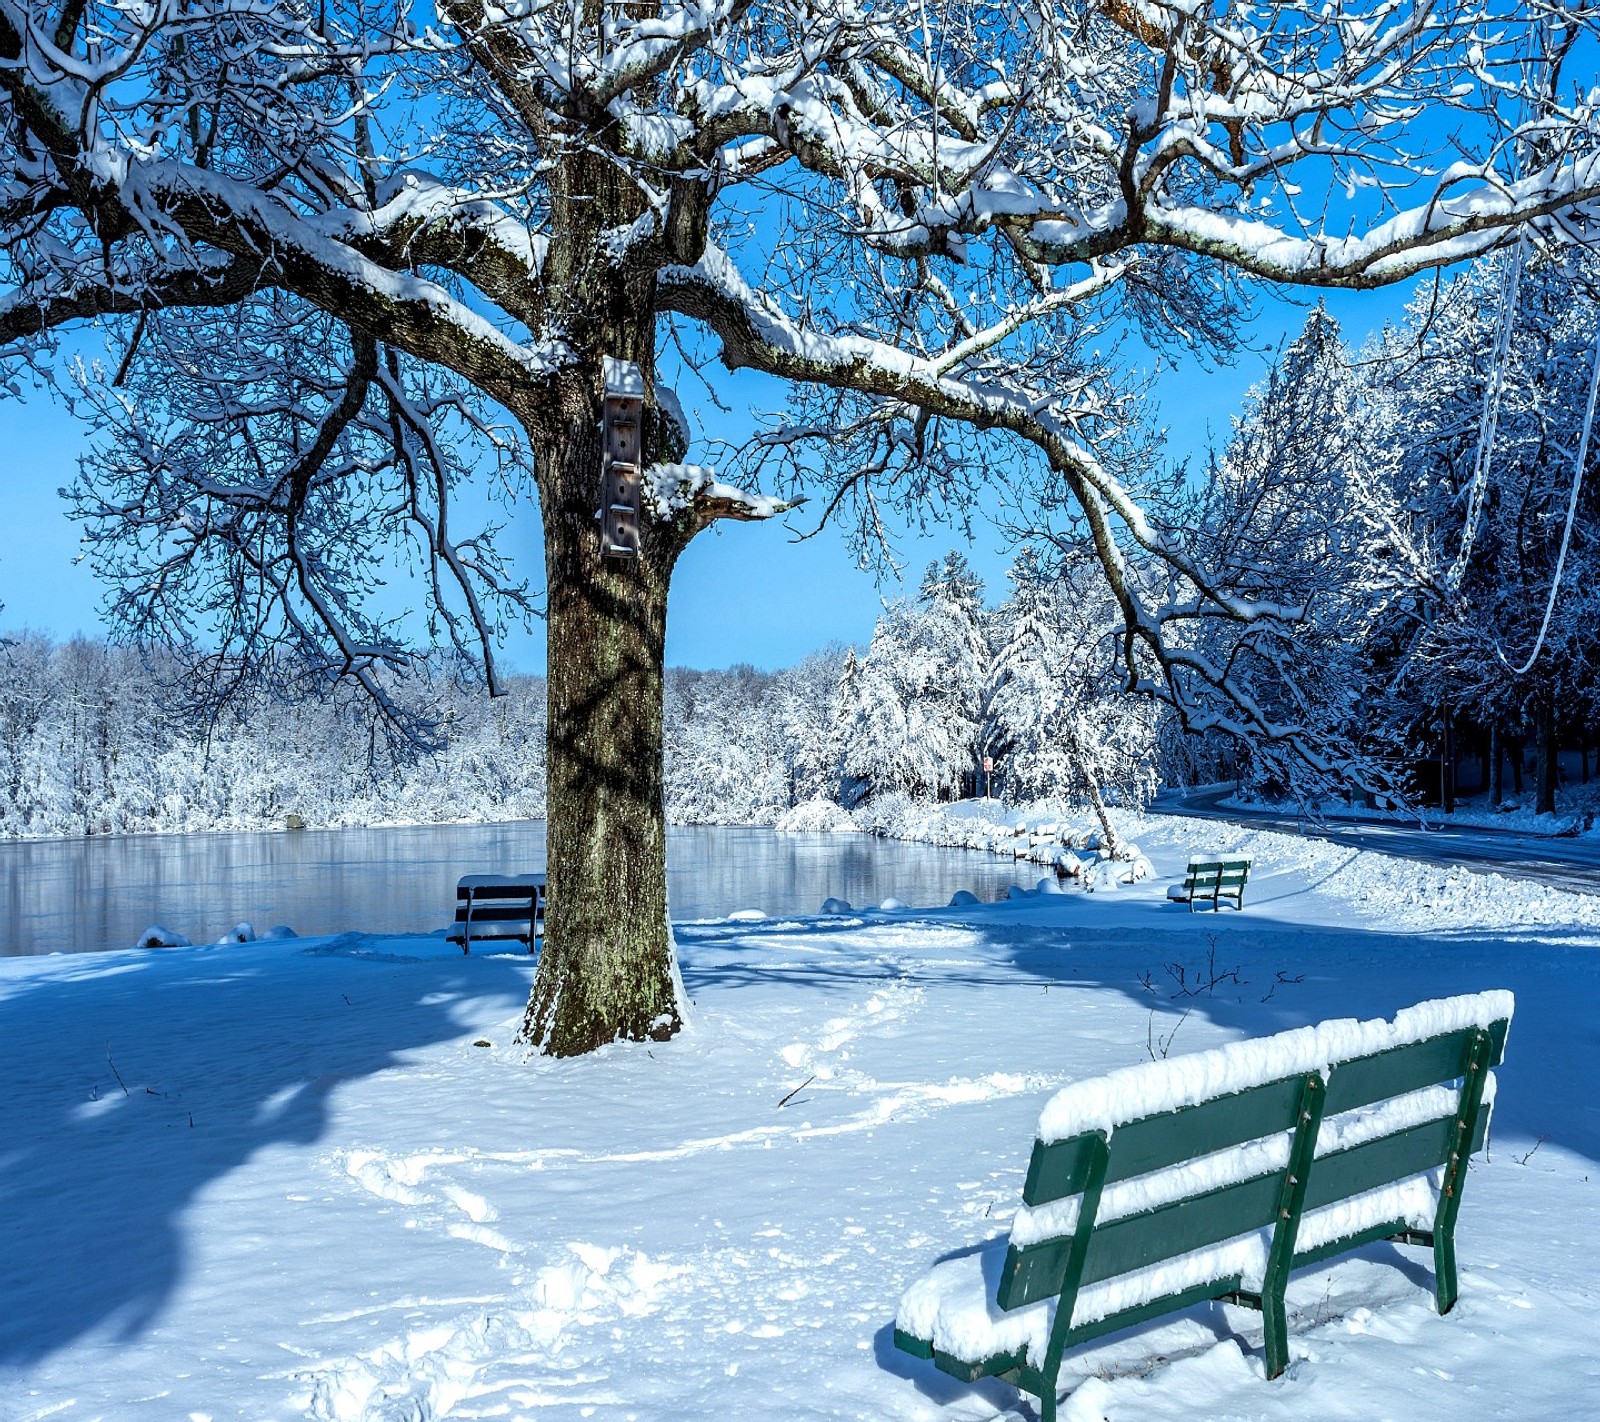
84	895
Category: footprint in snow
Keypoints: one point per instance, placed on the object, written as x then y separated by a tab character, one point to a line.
533	1341
400	1179
886	1005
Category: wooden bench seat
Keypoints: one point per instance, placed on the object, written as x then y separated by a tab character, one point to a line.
1211	1177
1212	881
497	907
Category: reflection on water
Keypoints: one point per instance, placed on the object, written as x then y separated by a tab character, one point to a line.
83	895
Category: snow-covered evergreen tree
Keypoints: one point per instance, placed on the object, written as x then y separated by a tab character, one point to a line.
1493	523
1060	710
1301	504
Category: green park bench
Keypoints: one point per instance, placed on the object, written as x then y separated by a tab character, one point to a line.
1214	880
1328	1135
498	907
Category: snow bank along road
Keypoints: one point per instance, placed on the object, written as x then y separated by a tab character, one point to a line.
273	1182
1568	863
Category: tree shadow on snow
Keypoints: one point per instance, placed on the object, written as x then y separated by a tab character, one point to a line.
1352	972
133	1085
1170	962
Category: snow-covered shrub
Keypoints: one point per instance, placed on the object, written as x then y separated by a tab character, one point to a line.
816	817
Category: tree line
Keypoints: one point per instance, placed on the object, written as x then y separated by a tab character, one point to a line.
103	739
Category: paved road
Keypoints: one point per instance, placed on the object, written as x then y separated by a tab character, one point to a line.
1566	863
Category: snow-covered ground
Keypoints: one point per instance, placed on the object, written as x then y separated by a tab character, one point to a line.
283	1180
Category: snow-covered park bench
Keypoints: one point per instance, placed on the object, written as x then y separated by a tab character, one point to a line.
494	907
1210	1177
1213	879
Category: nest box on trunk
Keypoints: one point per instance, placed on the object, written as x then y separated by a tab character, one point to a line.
622	445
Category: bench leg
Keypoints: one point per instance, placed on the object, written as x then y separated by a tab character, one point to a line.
1469	1109
1275	1320
1445	1288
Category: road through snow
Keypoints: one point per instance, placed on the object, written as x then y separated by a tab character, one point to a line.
1561	861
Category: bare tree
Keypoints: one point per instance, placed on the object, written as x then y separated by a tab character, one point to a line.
383	255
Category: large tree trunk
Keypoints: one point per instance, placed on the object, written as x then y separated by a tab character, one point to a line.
1497	755
606	971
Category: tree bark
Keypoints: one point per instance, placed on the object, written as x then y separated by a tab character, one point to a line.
606	971
1091	784
1447	764
1497	755
1545	751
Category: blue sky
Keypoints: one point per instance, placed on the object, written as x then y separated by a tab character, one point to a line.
743	593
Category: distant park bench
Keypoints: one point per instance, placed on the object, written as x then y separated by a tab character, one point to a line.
1213	880
495	907
1326	1134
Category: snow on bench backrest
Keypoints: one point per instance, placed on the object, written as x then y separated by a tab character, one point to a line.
1221	1119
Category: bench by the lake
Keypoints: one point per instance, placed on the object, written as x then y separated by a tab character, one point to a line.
1210	1177
1213	880
496	907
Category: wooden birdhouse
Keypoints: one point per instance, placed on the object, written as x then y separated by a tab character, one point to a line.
620	509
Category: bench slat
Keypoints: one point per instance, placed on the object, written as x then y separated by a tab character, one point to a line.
497	913
1409	1068
983	1368
1154	1142
1155	1308
1121	1246
1383	1161
1035	1271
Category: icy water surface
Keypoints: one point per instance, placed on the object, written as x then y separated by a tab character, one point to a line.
76	896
